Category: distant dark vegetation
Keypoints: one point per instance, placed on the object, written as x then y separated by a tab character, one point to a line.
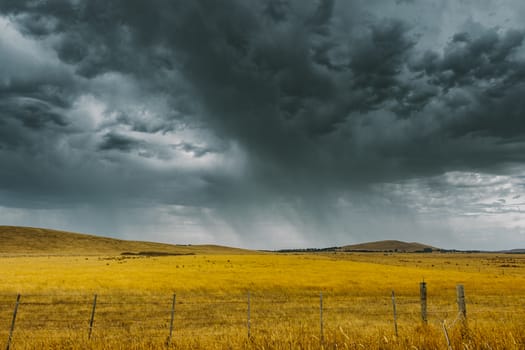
308	250
341	250
154	254
424	250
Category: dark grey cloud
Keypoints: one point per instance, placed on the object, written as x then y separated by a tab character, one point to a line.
479	77
112	141
467	61
33	114
253	109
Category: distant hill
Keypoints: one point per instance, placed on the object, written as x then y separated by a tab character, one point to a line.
513	251
15	240
386	246
379	246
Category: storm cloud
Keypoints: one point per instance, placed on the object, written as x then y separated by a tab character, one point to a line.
265	123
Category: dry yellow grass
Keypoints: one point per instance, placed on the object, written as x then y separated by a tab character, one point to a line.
135	295
135	300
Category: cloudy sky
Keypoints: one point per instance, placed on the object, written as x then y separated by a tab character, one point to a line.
266	123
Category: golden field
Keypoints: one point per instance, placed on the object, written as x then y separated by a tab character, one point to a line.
135	295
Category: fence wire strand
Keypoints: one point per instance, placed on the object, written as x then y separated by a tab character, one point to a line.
124	315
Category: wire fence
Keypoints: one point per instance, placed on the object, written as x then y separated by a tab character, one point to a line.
164	318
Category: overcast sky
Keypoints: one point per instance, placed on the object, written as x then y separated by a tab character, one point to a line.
266	123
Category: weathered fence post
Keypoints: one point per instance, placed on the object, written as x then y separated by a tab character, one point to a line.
423	295
92	316
248	320
321	316
172	318
395	313
15	311
462	306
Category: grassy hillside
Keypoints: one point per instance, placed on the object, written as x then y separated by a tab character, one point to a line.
16	240
389	245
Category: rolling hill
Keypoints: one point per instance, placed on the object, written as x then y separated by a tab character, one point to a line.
388	245
16	240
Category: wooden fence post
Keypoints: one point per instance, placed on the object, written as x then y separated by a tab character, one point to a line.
248	316
172	318
92	316
395	313
321	316
13	322
462	306
423	295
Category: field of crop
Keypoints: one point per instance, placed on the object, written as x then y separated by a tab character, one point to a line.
262	301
